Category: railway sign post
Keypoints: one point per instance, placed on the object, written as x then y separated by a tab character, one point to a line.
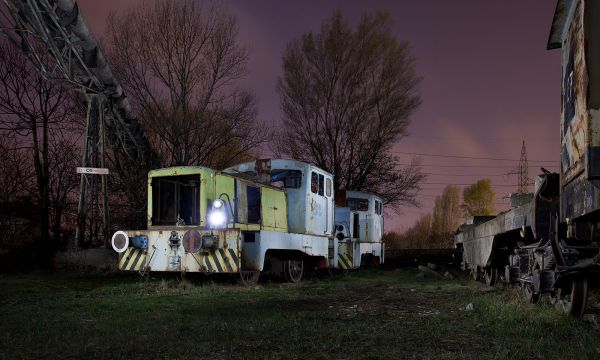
92	171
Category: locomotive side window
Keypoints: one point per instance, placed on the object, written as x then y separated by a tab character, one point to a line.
328	187
289	179
357	204
317	183
253	200
377	207
321	184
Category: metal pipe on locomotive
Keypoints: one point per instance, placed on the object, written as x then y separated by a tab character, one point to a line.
266	215
550	244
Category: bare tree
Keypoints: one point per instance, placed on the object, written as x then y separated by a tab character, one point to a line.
15	173
178	62
347	96
63	158
33	110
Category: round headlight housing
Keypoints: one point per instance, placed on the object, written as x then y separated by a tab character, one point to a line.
120	241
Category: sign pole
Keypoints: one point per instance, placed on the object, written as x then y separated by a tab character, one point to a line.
105	208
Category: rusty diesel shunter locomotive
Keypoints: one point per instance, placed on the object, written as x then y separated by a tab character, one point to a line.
270	215
549	243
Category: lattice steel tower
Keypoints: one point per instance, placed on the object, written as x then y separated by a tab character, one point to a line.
522	170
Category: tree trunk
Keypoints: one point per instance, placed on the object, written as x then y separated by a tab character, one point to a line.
43	252
56	229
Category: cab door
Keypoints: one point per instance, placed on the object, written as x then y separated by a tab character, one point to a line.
317	204
329	205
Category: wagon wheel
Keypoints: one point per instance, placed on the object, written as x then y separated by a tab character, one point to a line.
475	273
247	277
293	270
491	276
572	298
528	293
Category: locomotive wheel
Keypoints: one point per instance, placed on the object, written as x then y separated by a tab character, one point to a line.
528	294
491	276
248	278
293	270
572	299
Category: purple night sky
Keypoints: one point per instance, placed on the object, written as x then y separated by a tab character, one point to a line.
489	82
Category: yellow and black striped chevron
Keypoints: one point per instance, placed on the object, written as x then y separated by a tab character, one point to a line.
132	259
344	261
221	261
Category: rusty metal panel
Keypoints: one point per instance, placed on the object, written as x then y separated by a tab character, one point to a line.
254	252
164	255
580	197
274	209
580	113
479	241
241	201
574	113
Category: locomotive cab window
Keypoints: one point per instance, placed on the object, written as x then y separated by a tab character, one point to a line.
253	200
357	204
317	183
289	179
176	200
377	207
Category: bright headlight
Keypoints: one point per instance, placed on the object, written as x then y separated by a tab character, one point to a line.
217	218
217	204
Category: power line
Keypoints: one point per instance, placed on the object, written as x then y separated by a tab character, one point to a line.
434	196
432	183
488	175
473	166
468	157
487	138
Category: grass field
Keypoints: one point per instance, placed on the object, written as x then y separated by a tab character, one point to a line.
368	315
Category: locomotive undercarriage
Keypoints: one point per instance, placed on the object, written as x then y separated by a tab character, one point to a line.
537	272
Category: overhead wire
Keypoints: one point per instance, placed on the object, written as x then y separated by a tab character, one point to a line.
468	157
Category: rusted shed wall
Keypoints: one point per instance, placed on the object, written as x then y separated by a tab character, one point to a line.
574	114
580	116
592	43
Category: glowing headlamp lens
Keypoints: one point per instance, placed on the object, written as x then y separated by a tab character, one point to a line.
217	218
217	204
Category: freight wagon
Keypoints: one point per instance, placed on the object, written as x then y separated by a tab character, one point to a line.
275	216
550	244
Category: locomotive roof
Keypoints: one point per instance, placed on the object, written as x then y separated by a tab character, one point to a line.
276	163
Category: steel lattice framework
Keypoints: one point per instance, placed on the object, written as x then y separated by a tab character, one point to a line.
56	27
54	35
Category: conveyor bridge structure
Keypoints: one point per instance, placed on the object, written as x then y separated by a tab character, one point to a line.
55	36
